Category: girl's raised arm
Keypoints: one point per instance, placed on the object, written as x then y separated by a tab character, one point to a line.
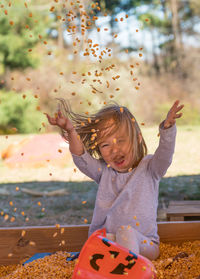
68	132
163	155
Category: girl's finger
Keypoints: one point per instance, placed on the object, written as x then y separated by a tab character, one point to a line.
173	109
59	113
176	103
180	107
48	117
176	109
51	120
179	115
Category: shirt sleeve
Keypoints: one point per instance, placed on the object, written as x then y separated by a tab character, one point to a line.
162	158
90	166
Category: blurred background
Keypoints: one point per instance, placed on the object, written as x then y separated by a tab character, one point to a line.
47	46
141	54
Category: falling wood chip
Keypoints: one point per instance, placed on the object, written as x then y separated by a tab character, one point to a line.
45	193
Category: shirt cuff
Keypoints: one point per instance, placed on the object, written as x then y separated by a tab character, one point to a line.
84	156
168	133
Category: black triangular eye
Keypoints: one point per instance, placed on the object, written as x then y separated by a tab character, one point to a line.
114	253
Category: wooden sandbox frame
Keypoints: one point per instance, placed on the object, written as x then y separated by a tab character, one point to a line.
40	239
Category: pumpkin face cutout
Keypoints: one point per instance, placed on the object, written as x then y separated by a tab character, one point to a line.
101	258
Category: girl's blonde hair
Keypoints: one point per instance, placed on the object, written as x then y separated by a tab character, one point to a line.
108	120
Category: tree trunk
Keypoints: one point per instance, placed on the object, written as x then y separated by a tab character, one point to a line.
177	46
84	36
60	36
60	30
175	23
6	83
155	57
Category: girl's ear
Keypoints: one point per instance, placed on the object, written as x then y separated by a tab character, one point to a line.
140	137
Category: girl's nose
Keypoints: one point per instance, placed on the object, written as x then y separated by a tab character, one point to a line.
115	148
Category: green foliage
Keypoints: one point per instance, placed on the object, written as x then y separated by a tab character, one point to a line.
17	112
119	5
191	114
19	31
109	5
154	21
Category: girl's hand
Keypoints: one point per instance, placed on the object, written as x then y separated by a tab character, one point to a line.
172	115
61	121
68	132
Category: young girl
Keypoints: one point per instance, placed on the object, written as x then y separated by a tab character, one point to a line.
109	148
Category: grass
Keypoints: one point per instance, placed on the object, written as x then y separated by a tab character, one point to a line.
185	187
186	160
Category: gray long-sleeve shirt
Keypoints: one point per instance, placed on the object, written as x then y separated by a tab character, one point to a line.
129	198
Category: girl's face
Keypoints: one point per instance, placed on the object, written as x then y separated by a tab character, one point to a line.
115	150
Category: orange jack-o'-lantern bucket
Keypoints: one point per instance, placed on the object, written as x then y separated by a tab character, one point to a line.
101	258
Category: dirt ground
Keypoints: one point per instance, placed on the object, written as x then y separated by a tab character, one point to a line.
73	207
76	205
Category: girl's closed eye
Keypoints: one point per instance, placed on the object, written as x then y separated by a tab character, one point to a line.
104	145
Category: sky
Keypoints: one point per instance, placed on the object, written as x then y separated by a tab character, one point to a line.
127	35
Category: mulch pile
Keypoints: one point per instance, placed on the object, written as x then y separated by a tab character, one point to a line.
175	261
37	151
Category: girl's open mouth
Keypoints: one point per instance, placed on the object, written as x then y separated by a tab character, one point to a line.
119	163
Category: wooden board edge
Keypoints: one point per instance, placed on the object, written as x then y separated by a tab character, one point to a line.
16	247
179	231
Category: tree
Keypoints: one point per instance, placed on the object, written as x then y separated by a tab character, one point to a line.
169	21
21	29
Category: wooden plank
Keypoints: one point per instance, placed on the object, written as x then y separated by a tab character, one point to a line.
175	218
179	231
11	241
193	202
184	211
177	210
